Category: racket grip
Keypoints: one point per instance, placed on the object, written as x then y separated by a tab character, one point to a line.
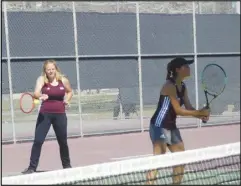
206	107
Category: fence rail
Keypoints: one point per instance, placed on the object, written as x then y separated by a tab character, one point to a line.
115	56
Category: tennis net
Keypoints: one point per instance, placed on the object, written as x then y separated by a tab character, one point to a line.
215	165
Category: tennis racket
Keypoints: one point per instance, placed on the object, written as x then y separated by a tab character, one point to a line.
27	103
214	79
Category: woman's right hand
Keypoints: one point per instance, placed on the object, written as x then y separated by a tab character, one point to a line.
43	97
204	112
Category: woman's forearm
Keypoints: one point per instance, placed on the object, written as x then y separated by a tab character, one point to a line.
37	95
69	96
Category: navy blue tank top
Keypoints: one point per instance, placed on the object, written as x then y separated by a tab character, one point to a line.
165	115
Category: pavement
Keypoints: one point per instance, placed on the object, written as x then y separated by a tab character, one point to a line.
101	149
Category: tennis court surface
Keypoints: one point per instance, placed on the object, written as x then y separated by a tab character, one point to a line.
211	165
207	160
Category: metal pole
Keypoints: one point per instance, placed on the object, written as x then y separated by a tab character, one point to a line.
139	64
121	110
238	7
214	7
9	70
199	7
77	67
195	54
1	90
117	7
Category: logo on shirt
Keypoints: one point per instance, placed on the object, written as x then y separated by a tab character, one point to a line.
48	88
61	88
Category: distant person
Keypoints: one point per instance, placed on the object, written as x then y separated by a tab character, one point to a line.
127	108
163	130
51	88
116	110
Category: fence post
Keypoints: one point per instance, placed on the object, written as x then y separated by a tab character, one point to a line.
77	67
195	55
9	70
238	7
139	64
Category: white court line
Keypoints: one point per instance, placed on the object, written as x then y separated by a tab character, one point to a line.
132	157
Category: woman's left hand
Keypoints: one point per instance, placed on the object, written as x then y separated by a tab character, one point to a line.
205	118
66	103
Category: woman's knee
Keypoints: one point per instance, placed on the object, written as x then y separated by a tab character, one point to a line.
159	147
179	147
39	139
38	143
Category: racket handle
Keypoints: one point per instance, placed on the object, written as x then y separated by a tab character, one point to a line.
206	107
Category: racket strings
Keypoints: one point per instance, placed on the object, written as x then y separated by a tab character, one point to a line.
27	103
214	79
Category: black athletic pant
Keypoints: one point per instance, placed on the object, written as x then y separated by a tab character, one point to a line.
59	123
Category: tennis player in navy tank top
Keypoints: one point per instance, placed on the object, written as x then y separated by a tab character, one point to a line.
163	130
51	88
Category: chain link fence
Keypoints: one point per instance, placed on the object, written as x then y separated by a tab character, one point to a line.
119	66
174	7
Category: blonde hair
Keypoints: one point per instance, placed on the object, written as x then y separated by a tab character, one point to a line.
59	75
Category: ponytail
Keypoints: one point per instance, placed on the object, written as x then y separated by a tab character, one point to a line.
170	75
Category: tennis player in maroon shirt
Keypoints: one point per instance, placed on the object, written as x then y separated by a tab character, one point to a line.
55	92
